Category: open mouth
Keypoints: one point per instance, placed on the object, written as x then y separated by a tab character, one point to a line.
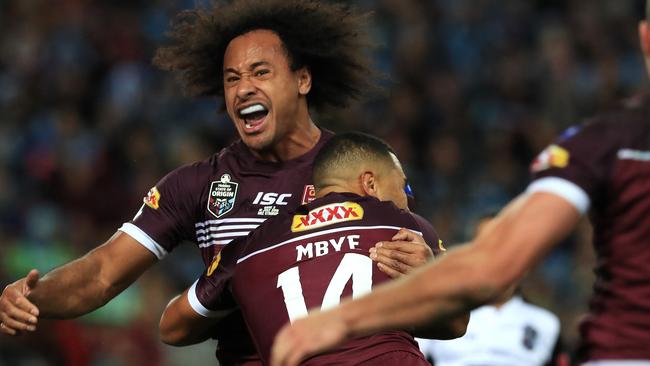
253	115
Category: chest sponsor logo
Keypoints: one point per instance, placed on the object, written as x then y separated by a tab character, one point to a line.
309	194
152	199
327	215
222	196
553	156
270	200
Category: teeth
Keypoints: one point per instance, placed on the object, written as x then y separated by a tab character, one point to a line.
252	109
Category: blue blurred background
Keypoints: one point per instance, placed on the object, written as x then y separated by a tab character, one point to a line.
87	126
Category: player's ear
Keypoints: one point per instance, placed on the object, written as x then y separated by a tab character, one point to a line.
369	183
304	80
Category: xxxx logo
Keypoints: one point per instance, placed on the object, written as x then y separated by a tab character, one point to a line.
327	215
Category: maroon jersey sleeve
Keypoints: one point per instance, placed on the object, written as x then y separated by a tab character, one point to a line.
210	295
429	234
166	216
576	166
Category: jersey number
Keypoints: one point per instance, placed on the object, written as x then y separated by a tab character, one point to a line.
353	266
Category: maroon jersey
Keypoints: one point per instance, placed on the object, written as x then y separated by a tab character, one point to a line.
310	258
214	201
605	167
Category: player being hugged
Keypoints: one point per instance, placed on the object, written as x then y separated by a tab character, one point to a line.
313	256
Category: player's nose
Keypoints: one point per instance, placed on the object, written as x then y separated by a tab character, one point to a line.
245	88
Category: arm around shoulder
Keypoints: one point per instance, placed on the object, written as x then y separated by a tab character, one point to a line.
181	325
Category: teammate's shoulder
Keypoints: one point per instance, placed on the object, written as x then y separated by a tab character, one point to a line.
419	220
383	209
386	209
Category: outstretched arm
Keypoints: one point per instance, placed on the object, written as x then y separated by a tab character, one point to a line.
76	288
16	312
465	278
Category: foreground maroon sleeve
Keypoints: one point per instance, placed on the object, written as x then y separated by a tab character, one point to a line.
210	296
603	167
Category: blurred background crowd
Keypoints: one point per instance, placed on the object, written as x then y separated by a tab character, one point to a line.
476	88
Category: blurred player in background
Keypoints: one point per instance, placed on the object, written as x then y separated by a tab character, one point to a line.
602	167
314	255
507	331
270	61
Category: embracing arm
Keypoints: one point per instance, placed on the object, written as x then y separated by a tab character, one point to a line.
76	288
466	277
180	325
183	323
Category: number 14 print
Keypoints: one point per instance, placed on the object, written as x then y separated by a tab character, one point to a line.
353	266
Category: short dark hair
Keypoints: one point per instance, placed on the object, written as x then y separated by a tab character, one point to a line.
347	149
328	38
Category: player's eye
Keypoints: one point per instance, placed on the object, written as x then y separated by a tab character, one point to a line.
261	72
232	79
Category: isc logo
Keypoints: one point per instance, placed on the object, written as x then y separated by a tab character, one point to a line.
327	215
271	198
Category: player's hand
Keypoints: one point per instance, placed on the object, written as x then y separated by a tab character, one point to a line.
17	313
306	337
406	251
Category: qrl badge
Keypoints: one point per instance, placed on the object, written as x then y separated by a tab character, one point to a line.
152	199
309	194
553	156
222	196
